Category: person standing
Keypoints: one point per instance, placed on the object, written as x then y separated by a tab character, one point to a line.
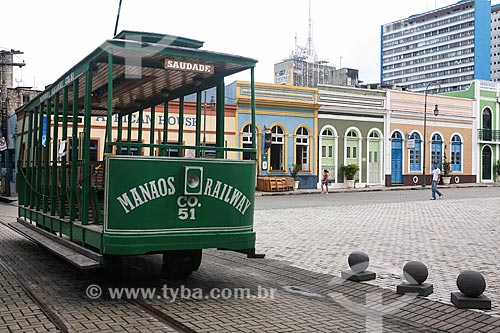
436	175
324	182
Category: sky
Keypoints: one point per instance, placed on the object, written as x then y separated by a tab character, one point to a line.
56	34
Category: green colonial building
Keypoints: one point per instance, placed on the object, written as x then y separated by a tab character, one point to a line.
351	127
486	139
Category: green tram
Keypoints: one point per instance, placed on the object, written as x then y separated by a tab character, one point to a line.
143	195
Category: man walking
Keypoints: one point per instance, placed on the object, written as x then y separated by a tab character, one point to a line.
436	174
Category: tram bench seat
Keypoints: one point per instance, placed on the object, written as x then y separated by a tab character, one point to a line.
75	254
275	184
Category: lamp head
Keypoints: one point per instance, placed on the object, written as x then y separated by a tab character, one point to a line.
436	110
212	103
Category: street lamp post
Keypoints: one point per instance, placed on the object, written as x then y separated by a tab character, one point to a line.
436	113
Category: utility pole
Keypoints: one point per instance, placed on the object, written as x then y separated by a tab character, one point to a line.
6	63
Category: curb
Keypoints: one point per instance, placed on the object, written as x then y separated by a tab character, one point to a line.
373	189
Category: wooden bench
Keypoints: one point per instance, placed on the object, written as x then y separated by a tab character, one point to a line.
275	184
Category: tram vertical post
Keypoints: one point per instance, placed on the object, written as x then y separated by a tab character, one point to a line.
252	101
74	155
33	191
39	159
205	124
198	122
55	195
129	133
119	135
46	157
84	209
152	132
181	125
139	129
109	119
219	120
29	182
64	143
165	126
20	163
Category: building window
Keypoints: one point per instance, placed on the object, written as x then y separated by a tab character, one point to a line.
327	150
415	152
436	150
247	141
352	147
352	150
94	149
456	153
133	150
487	125
277	148
302	148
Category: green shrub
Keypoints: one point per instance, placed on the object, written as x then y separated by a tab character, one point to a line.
349	170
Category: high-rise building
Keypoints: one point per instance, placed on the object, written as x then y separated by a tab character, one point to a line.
303	67
495	43
450	45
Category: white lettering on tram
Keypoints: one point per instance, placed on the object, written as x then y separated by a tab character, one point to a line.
189	66
162	187
146	192
229	194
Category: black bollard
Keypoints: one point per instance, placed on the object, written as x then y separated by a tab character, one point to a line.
415	273
358	262
470	296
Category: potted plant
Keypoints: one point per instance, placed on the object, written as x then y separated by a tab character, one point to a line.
446	171
497	169
294	172
349	171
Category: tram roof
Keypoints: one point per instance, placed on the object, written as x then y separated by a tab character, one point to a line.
140	76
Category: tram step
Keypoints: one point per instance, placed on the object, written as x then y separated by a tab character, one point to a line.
75	254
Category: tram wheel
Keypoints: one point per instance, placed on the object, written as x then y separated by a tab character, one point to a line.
180	264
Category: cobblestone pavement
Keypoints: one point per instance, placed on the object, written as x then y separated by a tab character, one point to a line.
306	248
451	235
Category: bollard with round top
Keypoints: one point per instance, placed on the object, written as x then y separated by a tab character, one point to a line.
471	285
358	263
415	273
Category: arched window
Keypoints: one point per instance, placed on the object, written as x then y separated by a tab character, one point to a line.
415	152
352	148
277	148
352	134
328	159
487	125
374	146
302	148
247	141
327	132
456	153
397	157
436	150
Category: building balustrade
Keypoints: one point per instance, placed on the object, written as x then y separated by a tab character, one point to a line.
489	135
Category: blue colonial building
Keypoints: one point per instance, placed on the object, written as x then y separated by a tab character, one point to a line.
286	125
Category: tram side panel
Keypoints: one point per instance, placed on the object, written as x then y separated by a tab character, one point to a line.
155	204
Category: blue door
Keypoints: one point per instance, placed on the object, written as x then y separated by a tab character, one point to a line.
397	158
